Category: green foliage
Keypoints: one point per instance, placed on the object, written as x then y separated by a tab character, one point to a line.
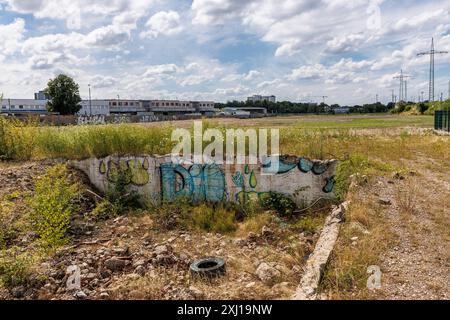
53	204
183	214
422	107
104	210
118	198
355	164
279	202
360	167
207	218
14	267
309	224
17	139
65	96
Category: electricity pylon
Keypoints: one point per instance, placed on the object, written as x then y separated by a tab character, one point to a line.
431	53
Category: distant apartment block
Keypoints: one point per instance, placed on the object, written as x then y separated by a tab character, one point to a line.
259	98
41	95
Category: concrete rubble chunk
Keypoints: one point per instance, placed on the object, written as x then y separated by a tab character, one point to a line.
115	264
315	265
267	274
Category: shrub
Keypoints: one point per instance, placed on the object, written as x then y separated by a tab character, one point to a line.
53	204
281	203
422	107
169	216
14	267
105	210
205	217
210	219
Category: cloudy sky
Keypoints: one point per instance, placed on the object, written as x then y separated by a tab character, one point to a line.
224	49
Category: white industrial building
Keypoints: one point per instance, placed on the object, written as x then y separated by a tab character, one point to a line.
94	107
23	106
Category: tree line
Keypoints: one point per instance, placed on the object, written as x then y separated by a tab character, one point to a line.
286	107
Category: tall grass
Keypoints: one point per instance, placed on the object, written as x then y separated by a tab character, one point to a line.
29	140
23	141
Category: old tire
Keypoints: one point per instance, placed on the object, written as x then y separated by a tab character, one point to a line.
208	268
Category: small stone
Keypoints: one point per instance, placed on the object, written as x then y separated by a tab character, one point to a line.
267	274
122	251
140	262
252	237
354	238
80	295
105	273
197	293
266	232
104	295
161	250
115	264
90	276
250	285
384	201
170	240
140	270
18	292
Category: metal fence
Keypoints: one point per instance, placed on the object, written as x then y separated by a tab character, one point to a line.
442	120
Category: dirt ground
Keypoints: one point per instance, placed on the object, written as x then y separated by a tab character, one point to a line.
418	265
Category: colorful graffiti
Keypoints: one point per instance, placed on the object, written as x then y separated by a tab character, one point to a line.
199	182
158	178
133	171
329	185
286	164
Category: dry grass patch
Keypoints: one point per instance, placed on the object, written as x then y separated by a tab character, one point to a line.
364	236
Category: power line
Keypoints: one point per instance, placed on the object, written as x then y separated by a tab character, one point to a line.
403	85
431	53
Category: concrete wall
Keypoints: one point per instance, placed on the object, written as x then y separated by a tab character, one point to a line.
157	178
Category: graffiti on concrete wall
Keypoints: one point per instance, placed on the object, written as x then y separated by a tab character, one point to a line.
302	179
96	119
130	171
197	182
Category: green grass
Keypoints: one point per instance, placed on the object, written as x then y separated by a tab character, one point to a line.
368	122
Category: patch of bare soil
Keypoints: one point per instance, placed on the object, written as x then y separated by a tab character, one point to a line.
418	212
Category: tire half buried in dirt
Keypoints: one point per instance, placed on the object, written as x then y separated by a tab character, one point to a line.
208	268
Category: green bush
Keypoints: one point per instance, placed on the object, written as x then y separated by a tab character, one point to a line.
105	210
53	204
281	203
14	267
422	107
207	218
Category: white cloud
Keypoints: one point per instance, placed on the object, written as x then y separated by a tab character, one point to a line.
11	36
163	23
163	69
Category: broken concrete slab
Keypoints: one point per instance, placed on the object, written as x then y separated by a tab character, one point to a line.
315	265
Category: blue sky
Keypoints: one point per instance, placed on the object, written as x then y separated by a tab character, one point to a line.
224	49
